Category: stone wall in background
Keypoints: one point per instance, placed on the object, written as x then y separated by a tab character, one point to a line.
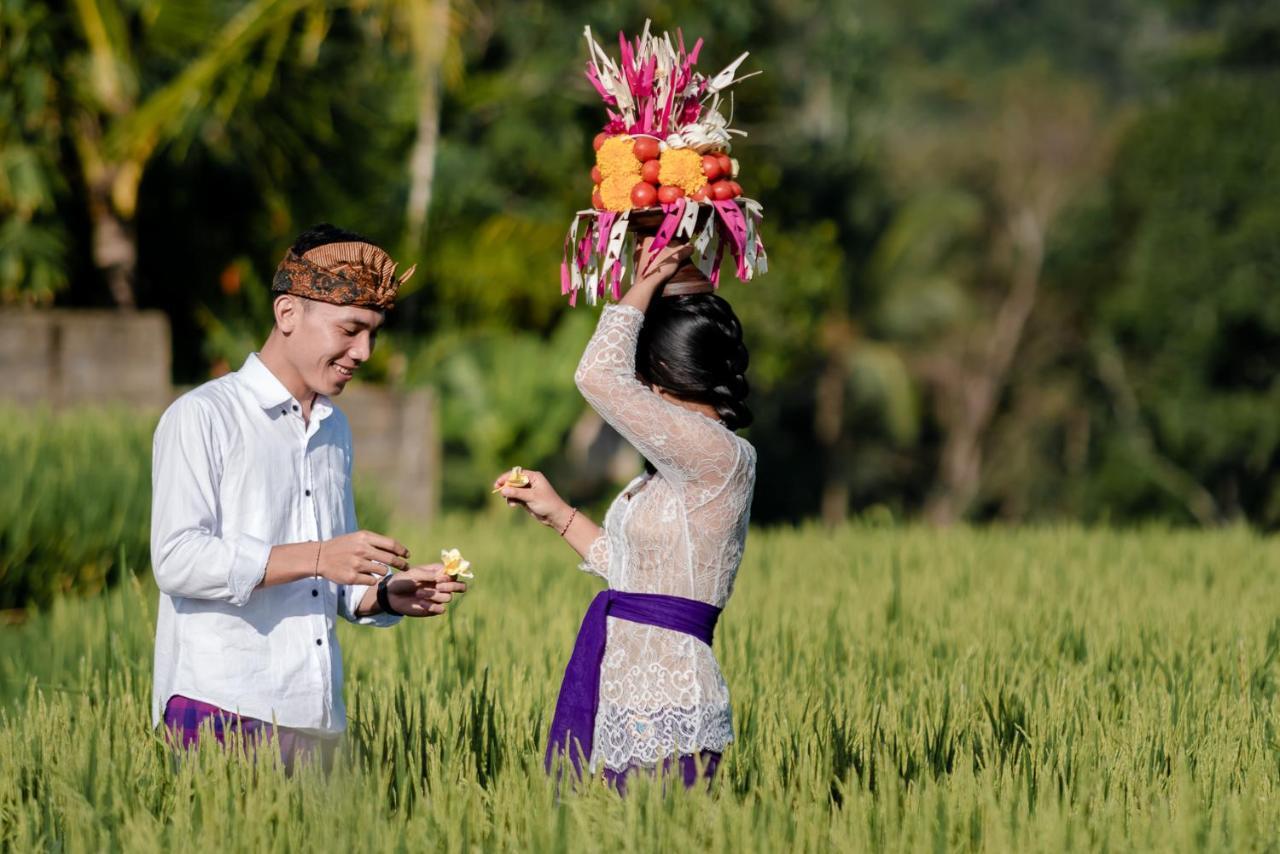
397	447
67	358
73	358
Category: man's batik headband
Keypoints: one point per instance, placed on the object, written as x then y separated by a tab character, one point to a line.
350	273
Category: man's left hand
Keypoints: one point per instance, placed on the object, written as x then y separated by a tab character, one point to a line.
423	591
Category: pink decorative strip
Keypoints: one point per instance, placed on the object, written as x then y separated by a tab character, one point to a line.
605	225
715	268
735	227
666	231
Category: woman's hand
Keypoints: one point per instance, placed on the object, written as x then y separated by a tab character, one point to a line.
653	270
539	499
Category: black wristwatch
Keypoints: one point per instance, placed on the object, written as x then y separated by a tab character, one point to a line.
384	601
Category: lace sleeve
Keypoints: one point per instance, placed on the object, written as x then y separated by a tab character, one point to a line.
684	446
596	560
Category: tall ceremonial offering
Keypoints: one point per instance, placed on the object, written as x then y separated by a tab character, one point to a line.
663	169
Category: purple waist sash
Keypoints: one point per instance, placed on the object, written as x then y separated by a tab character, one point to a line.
573	727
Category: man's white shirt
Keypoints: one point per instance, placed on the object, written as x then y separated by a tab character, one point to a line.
236	471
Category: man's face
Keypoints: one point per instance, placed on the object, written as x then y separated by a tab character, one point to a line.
329	343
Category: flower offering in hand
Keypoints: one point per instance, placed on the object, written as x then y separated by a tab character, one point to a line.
516	478
454	564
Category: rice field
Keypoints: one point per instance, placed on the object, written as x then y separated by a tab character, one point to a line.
898	689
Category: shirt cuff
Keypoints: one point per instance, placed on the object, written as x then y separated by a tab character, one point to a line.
248	567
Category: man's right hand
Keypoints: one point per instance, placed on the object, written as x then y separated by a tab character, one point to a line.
361	558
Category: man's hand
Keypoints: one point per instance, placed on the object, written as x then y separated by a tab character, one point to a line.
360	558
423	591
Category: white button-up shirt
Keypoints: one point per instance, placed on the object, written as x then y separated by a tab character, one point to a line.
236	471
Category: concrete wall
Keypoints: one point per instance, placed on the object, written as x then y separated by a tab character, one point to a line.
397	447
66	358
71	358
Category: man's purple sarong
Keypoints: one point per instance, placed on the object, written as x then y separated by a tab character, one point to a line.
573	727
184	717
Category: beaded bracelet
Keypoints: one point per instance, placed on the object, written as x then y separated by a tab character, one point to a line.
572	516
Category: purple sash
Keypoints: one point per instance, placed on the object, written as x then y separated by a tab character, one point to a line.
573	727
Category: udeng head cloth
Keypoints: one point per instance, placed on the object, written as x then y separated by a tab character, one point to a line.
348	273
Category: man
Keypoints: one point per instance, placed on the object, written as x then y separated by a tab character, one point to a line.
254	539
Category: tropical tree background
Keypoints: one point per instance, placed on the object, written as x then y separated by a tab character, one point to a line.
1024	254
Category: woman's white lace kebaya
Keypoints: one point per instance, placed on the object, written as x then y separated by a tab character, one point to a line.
680	532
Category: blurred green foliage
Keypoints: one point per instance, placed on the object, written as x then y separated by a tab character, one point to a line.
1193	310
75	502
1022	254
502	399
32	246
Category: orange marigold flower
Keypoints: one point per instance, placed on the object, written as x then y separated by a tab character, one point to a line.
615	192
616	158
682	167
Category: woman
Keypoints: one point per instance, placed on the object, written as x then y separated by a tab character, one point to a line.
667	374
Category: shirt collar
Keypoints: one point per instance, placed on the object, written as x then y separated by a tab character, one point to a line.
265	387
270	393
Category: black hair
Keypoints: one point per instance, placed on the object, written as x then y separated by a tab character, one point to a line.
691	347
324	234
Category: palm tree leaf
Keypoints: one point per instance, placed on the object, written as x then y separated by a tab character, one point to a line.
160	118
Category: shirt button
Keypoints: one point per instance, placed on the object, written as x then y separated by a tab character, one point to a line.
295	407
317	641
308	493
315	592
284	412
